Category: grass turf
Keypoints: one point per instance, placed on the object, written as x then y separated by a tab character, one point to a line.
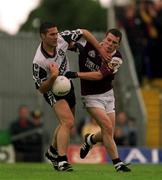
44	171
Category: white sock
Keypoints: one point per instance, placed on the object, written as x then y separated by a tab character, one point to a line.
89	140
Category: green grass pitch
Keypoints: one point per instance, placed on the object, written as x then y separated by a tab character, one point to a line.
44	171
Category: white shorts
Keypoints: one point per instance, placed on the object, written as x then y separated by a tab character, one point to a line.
104	101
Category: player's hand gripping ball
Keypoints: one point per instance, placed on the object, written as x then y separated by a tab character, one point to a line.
61	86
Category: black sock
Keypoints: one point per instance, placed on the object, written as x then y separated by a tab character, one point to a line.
62	158
115	161
53	150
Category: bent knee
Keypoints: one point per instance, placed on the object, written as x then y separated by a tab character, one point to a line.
107	128
69	123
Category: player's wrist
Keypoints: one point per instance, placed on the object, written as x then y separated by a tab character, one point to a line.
71	74
99	48
76	74
53	76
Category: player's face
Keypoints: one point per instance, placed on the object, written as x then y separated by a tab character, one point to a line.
51	36
110	42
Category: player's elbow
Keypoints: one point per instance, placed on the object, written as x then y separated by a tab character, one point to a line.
41	90
85	32
100	76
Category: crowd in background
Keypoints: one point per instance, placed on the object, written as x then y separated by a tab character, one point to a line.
27	135
142	22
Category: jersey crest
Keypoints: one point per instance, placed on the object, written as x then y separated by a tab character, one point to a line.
92	53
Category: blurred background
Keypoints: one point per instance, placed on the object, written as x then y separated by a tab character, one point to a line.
26	120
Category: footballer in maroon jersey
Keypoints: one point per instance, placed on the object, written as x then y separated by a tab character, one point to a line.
97	93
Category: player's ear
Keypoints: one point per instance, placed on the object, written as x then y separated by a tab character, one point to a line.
118	45
42	35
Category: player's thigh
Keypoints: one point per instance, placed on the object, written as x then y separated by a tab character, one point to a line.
100	115
112	119
63	111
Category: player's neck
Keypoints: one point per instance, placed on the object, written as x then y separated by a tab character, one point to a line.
49	49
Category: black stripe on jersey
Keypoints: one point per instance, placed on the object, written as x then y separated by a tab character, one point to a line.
50	98
39	75
63	66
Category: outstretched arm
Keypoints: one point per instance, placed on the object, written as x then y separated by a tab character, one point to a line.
92	76
96	75
106	69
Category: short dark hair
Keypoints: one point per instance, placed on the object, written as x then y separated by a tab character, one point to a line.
115	32
45	26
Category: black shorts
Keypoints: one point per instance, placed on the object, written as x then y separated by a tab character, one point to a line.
70	97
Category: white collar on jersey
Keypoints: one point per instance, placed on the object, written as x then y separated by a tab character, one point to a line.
113	52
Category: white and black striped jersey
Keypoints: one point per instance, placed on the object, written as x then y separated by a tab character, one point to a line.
42	59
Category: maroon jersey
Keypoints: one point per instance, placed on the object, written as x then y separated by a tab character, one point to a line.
90	60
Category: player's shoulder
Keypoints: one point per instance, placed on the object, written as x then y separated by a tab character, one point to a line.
39	57
117	54
88	46
61	40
